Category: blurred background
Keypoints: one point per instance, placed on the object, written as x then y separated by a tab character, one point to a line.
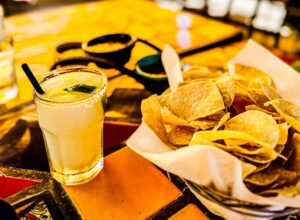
274	23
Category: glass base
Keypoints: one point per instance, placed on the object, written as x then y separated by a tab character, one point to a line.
80	178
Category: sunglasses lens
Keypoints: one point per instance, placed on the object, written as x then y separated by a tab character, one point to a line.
7	211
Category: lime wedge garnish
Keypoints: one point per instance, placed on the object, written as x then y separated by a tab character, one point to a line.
81	88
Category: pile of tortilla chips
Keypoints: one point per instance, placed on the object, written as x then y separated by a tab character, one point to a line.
242	114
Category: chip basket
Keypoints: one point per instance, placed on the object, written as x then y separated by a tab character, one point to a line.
241	207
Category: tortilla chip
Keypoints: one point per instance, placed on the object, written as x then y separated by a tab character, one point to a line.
194	101
269	91
227	134
202	124
151	111
263	178
258	97
258	159
226	87
169	118
247	168
201	72
207	137
262	127
163	99
231	142
286	191
180	135
283	133
254	84
222	121
239	103
281	160
255	107
288	110
294	161
286	177
241	90
274	170
261	167
216	116
244	74
261	94
279	148
279	119
265	152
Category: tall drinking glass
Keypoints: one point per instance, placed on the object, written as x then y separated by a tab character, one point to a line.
71	114
8	86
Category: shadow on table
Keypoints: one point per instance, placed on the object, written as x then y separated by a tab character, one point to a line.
22	145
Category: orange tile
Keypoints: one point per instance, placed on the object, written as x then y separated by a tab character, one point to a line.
190	212
129	187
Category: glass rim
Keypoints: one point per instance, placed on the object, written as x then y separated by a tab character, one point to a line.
66	70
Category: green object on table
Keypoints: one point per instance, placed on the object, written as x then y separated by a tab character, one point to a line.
81	88
296	65
297	68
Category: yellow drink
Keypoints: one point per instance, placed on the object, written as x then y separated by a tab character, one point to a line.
72	123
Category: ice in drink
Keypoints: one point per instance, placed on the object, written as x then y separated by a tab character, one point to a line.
71	114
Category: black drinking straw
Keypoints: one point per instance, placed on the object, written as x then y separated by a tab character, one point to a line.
32	79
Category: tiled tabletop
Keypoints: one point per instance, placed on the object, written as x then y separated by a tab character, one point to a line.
190	212
129	187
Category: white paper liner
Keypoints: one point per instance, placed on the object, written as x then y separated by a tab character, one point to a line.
286	79
206	164
171	63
